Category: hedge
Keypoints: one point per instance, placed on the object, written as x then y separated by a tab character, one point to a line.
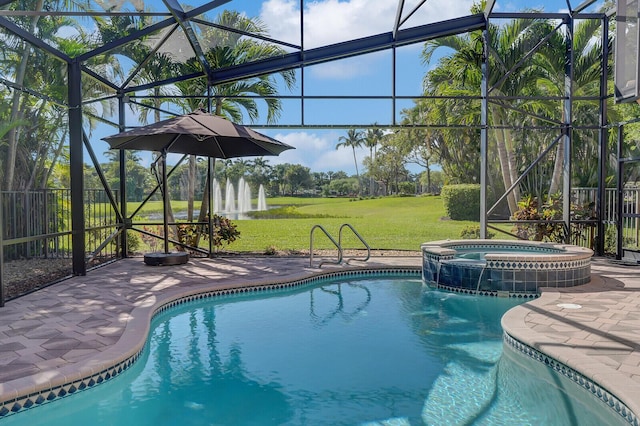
462	202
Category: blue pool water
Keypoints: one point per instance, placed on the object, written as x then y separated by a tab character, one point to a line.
353	352
479	254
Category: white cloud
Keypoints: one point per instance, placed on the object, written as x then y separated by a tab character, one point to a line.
318	152
333	21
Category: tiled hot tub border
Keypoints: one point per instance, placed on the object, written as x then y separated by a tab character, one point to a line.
516	273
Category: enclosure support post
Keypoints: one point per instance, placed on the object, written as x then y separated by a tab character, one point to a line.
619	193
603	136
568	131
484	137
77	169
123	179
165	200
1	254
211	165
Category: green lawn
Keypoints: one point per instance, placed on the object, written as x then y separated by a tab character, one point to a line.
384	223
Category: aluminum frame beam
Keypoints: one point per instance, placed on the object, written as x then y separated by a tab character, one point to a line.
603	137
32	39
352	48
76	161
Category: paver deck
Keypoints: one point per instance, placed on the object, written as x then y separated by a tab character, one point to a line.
86	324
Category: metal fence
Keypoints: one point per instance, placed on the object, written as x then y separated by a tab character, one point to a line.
37	224
630	225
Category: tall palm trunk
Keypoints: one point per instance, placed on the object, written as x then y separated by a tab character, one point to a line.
355	160
507	161
14	133
56	156
556	177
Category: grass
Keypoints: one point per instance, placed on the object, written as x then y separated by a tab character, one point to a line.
387	223
401	223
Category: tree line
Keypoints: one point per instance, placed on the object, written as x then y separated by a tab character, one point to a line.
278	180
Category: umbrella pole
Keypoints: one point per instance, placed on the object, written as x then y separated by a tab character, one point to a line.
210	170
165	201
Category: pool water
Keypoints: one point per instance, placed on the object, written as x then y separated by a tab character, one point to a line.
380	351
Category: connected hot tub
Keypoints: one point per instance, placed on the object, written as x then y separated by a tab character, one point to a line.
504	267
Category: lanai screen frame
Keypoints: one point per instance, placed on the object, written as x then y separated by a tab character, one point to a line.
298	60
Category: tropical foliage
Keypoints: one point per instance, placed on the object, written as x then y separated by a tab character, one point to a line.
528	82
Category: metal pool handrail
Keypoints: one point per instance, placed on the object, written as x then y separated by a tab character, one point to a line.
335	243
338	244
346	225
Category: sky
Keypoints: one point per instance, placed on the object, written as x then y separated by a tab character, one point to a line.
333	21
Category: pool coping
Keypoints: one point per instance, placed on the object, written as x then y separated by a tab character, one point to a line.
521	324
561	252
577	358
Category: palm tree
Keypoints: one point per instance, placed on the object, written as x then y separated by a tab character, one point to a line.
16	113
35	120
587	51
543	74
459	74
372	139
354	139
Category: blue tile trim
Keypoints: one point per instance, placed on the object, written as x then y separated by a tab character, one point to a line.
491	293
596	390
46	395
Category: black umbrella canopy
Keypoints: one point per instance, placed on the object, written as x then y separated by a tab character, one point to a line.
198	133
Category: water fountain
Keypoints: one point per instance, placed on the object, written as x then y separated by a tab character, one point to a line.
262	199
217	197
229	199
233	205
244	196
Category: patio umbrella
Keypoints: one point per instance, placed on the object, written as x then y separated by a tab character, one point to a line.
197	133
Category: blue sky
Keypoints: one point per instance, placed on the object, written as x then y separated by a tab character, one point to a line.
333	21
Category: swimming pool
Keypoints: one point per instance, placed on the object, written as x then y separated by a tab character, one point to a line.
352	351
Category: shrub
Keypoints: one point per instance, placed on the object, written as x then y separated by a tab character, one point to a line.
134	242
225	231
529	209
472	232
549	215
407	188
462	202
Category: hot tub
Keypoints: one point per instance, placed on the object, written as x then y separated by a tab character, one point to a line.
504	267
